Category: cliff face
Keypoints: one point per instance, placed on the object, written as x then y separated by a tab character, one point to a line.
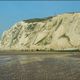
58	33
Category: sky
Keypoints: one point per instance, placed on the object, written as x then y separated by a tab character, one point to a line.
15	11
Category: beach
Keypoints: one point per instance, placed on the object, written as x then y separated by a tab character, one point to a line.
40	67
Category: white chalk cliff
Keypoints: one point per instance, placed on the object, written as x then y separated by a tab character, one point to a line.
58	33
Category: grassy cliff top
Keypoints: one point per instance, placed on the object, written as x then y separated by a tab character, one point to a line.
43	19
37	19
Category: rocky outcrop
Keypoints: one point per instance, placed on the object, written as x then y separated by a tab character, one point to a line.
59	32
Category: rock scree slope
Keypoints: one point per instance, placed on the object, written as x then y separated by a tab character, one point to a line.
53	33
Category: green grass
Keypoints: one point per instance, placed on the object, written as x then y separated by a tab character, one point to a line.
37	19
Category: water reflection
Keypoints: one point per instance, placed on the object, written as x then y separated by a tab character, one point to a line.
39	67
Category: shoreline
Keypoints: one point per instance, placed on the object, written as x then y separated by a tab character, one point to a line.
16	52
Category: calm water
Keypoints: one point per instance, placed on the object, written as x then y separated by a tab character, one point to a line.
40	67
